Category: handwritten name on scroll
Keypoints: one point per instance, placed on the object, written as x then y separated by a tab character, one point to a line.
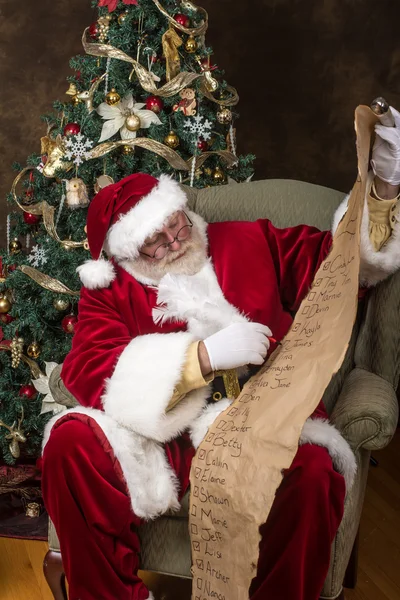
238	467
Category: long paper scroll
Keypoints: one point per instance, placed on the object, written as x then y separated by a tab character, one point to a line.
237	469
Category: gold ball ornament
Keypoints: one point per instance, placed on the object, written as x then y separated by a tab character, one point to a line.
132	123
113	97
224	116
218	175
171	140
5	304
191	45
122	18
33	350
208	171
127	150
61	304
15	246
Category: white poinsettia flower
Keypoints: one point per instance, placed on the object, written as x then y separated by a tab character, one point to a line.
42	386
115	118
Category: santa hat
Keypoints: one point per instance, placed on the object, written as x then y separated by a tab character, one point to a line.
120	218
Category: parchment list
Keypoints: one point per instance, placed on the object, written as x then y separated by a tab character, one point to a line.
238	467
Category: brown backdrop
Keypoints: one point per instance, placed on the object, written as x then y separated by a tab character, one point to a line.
300	66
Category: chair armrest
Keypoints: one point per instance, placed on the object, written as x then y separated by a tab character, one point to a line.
366	412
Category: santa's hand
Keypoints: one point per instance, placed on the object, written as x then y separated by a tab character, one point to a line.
237	345
385	159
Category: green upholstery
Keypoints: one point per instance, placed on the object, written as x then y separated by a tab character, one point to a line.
360	398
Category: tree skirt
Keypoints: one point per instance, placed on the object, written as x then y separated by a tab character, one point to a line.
20	496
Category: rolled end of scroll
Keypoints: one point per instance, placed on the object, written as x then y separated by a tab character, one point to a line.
381	108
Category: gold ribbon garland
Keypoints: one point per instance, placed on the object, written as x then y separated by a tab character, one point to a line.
170	43
172	157
194	31
34	367
229	158
46	282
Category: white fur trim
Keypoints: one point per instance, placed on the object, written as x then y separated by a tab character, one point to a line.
150	596
152	484
374	266
96	273
143	384
128	234
323	433
202	423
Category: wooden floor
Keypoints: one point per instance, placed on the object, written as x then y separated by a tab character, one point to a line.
379	564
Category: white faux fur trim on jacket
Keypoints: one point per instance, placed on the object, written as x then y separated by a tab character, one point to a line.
323	433
152	484
128	234
142	385
374	266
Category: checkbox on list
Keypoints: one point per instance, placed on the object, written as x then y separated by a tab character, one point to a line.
296	327
311	296
221	424
194	529
200	564
197	472
202	454
196	546
210	437
194	510
232	412
318	282
305	310
327	265
196	491
199	583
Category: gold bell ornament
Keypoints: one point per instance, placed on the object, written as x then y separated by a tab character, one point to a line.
77	194
126	150
171	140
15	246
5	304
113	97
224	116
218	175
72	92
191	45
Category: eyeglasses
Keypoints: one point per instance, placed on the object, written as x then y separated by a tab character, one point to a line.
181	236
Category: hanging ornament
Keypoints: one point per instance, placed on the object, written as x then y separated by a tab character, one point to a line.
191	45
104	26
132	123
17	346
16	436
113	97
182	20
27	391
61	304
122	17
33	350
78	149
15	246
126	150
115	118
224	116
77	194
171	140
94	31
68	324
188	103
218	175
72	92
72	129
32	510
5	304
6	319
31	219
103	181
202	145
155	104
38	256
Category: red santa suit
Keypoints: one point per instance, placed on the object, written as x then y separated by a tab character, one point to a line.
120	457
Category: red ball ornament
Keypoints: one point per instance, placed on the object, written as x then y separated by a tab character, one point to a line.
28	392
31	219
155	104
94	31
6	318
202	145
72	129
68	323
182	20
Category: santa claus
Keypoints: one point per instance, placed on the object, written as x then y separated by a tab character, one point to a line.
178	302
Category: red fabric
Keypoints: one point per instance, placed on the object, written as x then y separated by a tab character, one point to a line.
97	529
262	270
111	202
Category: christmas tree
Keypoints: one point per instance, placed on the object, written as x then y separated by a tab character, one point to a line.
145	96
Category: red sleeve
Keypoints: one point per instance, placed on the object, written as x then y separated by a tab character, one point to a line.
100	338
297	253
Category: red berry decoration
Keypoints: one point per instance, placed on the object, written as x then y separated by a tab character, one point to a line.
68	323
28	392
72	129
155	104
6	318
31	219
94	31
202	145
182	20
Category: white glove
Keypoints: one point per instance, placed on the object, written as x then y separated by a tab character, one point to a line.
385	159
237	345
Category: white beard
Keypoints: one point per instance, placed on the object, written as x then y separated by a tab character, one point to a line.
188	260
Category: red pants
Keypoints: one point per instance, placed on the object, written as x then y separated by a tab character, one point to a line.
88	503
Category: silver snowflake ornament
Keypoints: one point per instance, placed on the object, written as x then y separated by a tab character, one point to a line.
78	148
38	256
197	127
